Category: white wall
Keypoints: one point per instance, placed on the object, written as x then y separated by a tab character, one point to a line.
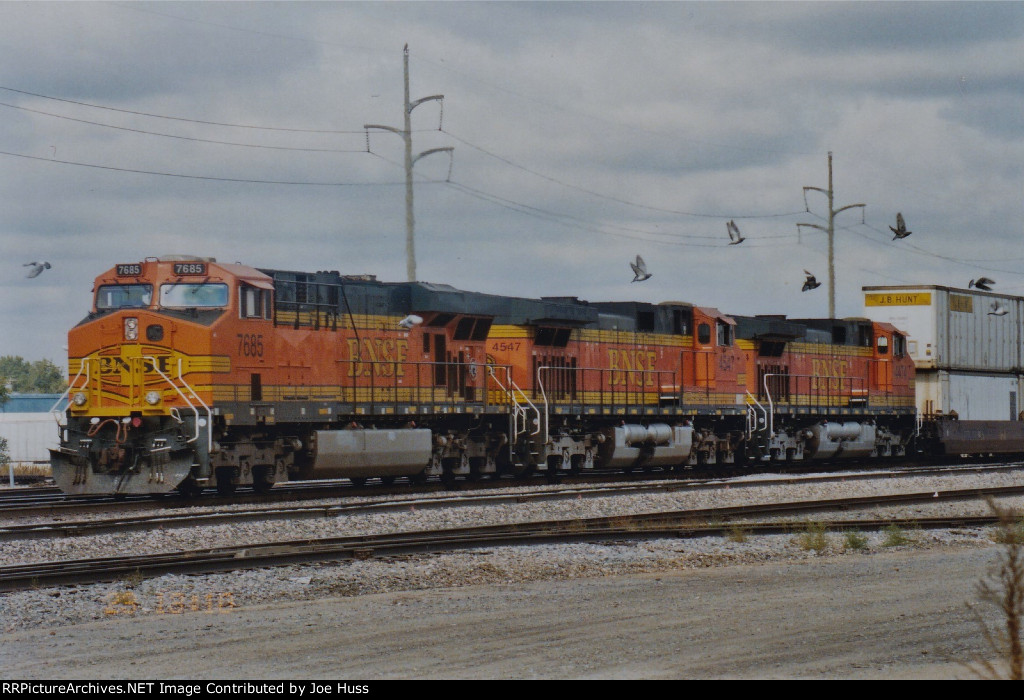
29	435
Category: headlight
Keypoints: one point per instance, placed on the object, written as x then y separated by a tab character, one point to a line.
153	398
131	329
80	398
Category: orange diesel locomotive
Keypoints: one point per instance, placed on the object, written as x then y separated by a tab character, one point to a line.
188	373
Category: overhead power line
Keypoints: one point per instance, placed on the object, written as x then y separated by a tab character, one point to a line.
183	138
582	225
612	198
207	177
181	119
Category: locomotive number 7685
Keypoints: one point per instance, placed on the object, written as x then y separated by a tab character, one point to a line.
250	344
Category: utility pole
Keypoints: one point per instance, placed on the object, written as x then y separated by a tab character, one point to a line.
831	231
406	134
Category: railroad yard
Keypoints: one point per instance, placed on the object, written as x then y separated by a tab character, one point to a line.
604	593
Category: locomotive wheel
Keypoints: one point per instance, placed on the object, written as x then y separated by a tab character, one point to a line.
448	465
418	478
387	480
526	461
189	488
554	473
225	485
523	471
476	465
358	481
262	479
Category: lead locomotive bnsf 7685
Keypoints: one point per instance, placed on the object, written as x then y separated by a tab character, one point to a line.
189	373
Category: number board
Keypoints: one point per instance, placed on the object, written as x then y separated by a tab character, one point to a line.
128	269
191	268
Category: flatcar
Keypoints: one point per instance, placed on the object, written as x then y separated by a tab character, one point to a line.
190	374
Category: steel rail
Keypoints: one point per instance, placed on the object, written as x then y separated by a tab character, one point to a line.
684	523
308	492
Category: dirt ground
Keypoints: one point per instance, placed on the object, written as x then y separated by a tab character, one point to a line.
890	615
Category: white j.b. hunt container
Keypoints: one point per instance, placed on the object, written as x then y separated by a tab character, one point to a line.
965	343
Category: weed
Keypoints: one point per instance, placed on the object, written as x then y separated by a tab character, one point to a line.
133	579
895	537
1009	532
736	533
814	537
1003	589
855	540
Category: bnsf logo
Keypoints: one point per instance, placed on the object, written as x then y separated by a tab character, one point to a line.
117	365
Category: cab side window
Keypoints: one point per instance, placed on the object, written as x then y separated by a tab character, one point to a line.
253	302
899	345
724	334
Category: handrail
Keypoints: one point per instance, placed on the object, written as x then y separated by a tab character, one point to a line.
364	375
84	364
750	410
544	396
827	393
209	413
771	406
181	393
641	393
518	410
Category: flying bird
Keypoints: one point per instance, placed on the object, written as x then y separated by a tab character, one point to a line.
640	270
734	233
997	309
810	282
982	283
901	228
36	268
410	321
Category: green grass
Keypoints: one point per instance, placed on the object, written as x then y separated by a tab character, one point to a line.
855	540
895	537
813	538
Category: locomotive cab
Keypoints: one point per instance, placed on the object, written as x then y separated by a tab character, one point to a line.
139	418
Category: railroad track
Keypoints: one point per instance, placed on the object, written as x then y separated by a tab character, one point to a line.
64	528
52	502
683	523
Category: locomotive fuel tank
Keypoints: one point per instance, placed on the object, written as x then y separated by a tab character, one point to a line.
850	440
366	453
656	445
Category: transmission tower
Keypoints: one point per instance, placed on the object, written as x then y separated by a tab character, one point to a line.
831	231
406	134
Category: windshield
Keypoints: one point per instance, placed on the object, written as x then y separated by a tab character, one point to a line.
119	296
193	295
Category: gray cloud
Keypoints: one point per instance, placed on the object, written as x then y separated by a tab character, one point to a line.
584	133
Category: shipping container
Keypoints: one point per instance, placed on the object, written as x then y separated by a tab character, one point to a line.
971	396
959	330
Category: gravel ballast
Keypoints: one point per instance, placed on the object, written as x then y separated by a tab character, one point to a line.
224	593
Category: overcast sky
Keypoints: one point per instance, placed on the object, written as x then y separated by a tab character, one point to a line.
584	134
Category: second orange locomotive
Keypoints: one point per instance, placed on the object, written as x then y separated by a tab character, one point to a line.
189	373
